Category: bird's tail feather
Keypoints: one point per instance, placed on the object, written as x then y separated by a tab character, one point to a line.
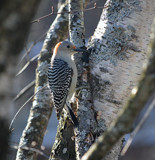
73	117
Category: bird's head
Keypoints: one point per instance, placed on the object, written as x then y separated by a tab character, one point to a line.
66	47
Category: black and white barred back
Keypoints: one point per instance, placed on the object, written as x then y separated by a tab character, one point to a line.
59	78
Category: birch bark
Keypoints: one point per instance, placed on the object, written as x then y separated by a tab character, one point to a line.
118	56
140	95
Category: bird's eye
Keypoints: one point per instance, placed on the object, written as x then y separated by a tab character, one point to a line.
68	46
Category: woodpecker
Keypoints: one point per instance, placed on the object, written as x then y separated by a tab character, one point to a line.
62	77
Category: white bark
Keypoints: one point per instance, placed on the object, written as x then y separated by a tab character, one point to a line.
140	95
118	56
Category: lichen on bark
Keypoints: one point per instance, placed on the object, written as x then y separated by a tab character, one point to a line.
42	105
127	116
118	53
86	132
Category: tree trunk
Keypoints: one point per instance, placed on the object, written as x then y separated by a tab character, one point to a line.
84	133
118	53
118	56
87	124
140	95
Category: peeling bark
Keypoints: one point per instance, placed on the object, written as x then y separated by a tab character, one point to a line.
118	56
139	97
42	106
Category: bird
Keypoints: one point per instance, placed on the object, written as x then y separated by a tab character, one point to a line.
62	77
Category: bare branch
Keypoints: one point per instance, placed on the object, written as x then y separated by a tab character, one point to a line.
133	134
23	107
15	146
74	11
30	48
64	145
27	64
84	134
124	122
42	105
24	90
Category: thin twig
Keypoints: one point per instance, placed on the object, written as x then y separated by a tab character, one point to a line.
133	134
26	53
55	13
30	48
15	146
25	89
23	107
27	64
92	2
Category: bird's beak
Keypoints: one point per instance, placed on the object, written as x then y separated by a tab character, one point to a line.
79	49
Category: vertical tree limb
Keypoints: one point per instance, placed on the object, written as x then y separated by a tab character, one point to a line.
84	134
124	122
41	109
118	53
64	146
76	23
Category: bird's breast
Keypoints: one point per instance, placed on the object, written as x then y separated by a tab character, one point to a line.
74	80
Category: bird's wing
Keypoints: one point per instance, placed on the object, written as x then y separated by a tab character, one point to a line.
59	78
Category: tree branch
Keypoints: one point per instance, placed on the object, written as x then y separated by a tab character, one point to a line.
138	126
41	109
124	122
64	145
84	134
118	53
55	13
24	90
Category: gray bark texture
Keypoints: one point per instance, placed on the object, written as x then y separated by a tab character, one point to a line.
65	147
15	17
118	53
118	56
42	106
139	97
84	134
